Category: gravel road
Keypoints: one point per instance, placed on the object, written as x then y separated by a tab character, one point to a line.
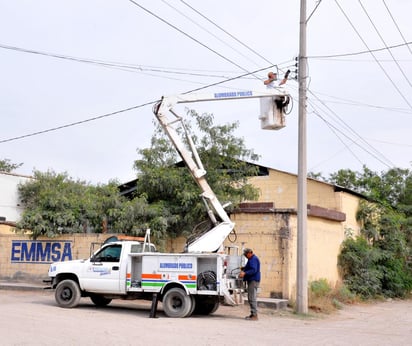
33	318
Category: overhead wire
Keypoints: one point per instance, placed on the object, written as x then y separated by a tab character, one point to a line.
373	55
114	113
187	35
210	33
358	53
120	111
118	65
376	155
226	32
397	26
386	46
314	10
361	104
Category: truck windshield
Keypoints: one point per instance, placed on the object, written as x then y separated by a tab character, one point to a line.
110	253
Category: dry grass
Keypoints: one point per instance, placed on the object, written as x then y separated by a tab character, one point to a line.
323	298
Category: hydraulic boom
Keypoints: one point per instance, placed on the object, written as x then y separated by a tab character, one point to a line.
273	109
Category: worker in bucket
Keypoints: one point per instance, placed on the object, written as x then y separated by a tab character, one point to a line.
251	274
273	77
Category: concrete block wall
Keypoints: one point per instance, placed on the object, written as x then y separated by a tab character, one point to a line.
263	233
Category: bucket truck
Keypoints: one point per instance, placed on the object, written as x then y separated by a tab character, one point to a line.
185	283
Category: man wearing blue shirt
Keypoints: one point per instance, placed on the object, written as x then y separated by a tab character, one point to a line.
251	274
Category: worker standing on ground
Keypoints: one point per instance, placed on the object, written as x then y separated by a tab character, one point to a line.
273	77
251	274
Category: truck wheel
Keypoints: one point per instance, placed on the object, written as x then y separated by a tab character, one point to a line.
67	294
99	300
206	305
176	303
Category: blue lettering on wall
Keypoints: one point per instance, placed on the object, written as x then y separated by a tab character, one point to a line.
40	251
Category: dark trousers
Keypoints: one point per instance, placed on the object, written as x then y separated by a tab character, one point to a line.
252	287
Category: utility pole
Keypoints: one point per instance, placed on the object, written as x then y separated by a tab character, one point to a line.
302	273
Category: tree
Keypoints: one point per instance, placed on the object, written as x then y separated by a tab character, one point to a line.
386	228
385	187
169	186
55	204
7	166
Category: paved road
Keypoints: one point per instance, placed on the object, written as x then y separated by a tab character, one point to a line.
32	318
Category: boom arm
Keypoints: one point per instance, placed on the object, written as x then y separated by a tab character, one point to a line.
214	238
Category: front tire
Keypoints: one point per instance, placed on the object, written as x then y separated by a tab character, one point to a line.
67	294
176	303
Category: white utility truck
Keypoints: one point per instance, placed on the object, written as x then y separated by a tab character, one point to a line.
193	281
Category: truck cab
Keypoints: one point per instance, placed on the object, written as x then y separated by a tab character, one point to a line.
103	272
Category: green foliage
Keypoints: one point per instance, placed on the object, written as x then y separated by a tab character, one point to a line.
357	262
171	187
54	204
376	263
320	287
324	298
7	166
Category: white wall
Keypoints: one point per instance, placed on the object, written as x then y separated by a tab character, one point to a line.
9	202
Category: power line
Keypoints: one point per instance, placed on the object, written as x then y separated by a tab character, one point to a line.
354	133
210	33
397	27
334	129
357	103
386	46
369	51
118	65
376	60
226	32
314	10
75	123
187	35
121	111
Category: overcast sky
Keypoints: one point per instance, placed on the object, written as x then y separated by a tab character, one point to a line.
68	61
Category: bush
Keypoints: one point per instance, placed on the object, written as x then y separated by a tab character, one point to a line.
371	272
324	298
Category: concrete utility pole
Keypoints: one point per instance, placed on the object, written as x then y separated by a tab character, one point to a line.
302	273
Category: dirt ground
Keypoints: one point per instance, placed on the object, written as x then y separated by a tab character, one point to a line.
33	318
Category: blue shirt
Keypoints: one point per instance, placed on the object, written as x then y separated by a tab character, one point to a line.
252	269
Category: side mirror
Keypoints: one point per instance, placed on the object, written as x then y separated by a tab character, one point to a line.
95	259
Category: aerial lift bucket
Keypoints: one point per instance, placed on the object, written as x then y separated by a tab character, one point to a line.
272	112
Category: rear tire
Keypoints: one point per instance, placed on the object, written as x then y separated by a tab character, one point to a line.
99	300
206	305
67	294
176	303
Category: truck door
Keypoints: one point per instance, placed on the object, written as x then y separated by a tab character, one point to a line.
103	272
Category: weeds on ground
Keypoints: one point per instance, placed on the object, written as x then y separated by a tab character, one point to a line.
322	298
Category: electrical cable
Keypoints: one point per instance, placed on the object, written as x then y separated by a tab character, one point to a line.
380	65
361	104
386	46
397	27
187	35
118	112
95	118
334	129
358	53
382	159
227	33
75	123
314	10
210	33
121	66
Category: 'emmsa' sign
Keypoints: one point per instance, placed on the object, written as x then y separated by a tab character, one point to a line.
40	251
